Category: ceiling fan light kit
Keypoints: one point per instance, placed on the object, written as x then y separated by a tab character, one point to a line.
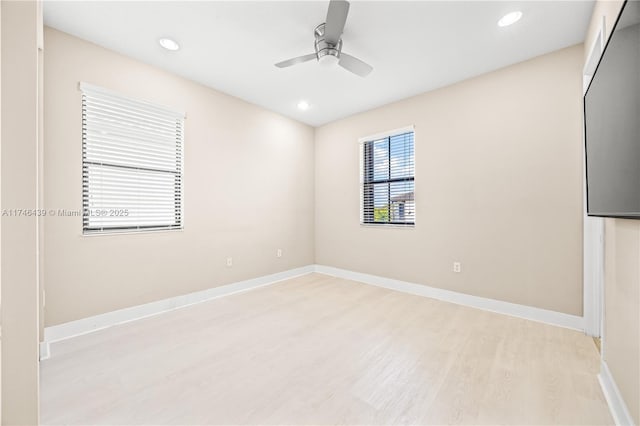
328	42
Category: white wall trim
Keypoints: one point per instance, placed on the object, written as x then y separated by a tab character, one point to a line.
617	406
512	309
593	227
387	133
98	322
595	52
44	351
593	274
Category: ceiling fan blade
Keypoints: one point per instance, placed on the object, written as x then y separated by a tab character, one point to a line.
336	18
354	65
295	61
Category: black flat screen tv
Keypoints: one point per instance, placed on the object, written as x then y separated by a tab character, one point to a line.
612	122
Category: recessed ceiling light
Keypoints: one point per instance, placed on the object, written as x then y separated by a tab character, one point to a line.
169	44
510	18
303	105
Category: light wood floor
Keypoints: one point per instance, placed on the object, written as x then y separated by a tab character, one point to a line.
321	350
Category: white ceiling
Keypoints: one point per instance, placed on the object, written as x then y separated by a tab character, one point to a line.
413	46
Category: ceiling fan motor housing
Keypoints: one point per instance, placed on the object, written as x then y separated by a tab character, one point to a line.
324	48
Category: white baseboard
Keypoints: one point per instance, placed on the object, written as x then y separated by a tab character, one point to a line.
87	325
109	319
44	351
521	311
617	406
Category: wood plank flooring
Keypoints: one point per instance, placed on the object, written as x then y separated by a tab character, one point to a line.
322	350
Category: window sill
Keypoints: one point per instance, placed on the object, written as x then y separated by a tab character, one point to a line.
387	225
128	232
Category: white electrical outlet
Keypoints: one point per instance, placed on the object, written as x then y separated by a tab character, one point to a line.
457	267
229	262
279	253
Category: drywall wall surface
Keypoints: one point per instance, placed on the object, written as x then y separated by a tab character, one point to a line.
19	240
248	190
498	187
621	340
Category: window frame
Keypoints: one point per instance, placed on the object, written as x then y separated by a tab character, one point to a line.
85	88
361	155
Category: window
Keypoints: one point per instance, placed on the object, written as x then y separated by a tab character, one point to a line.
131	164
388	169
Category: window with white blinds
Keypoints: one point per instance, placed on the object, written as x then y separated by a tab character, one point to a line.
131	164
387	180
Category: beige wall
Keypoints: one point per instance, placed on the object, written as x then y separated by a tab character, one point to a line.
19	173
498	187
621	341
248	181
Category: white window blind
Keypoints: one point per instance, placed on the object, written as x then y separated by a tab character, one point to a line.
131	163
387	180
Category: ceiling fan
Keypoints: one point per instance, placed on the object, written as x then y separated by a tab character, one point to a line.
329	42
